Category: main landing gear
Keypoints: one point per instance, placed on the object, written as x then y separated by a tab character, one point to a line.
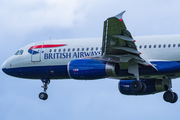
44	95
138	86
169	95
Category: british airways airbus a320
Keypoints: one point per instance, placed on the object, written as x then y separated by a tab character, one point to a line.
144	65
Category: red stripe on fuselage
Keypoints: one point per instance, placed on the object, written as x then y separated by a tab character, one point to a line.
46	46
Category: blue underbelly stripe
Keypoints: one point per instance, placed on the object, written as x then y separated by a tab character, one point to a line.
51	72
60	71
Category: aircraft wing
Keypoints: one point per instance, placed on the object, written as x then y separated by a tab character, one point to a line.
119	46
117	41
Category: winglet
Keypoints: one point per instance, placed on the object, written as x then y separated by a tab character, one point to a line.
119	16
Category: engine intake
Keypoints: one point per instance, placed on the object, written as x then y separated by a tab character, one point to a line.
92	69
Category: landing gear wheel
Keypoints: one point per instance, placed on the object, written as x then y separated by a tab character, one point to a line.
168	96
175	98
43	96
136	86
143	88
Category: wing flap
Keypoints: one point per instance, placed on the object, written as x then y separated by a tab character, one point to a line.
127	49
126	38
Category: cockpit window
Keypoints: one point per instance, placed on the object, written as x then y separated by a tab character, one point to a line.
19	52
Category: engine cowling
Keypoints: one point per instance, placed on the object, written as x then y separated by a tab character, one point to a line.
152	86
91	69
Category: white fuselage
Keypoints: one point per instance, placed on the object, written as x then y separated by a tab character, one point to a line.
167	49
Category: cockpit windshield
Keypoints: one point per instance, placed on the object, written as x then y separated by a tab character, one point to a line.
19	52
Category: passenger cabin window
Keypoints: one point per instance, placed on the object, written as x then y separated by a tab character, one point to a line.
87	49
69	49
169	45
159	46
92	48
77	49
149	46
54	50
164	45
174	45
96	48
154	46
140	46
50	50
82	49
73	49
64	50
59	50
145	46
178	45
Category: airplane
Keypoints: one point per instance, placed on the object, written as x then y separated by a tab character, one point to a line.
143	65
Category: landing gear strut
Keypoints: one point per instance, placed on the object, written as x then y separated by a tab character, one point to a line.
137	85
169	95
44	95
140	87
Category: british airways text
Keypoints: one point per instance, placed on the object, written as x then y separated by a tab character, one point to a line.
70	55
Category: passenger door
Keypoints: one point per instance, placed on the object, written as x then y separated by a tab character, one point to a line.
37	50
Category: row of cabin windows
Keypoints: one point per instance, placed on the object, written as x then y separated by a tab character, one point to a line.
159	46
59	50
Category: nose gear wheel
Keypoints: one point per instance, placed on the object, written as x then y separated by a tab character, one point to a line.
44	95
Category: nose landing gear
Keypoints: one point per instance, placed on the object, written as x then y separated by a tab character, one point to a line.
44	95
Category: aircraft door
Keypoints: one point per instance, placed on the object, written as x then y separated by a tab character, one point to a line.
37	50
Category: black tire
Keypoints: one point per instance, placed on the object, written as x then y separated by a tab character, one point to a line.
143	88
175	98
43	96
168	96
136	86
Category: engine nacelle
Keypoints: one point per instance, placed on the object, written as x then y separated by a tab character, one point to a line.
85	69
152	86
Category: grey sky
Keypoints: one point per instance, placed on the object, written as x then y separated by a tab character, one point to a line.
23	22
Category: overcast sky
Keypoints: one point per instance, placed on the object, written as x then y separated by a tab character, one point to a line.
26	21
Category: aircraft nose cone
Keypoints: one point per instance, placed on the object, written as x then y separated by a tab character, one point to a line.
3	67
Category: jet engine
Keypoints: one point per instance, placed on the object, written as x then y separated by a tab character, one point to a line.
85	69
152	86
